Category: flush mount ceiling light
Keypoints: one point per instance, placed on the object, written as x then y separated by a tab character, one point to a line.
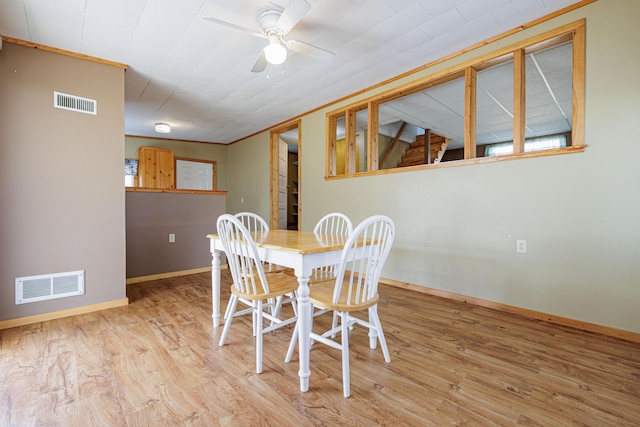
274	52
163	128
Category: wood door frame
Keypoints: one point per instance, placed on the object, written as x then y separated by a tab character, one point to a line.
274	137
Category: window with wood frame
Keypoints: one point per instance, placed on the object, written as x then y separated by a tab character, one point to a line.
525	100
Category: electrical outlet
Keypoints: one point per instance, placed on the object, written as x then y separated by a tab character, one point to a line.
172	238
241	200
521	246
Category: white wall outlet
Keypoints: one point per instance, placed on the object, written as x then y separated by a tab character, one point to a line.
521	246
172	238
241	200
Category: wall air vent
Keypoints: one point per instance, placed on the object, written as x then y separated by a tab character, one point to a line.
75	103
49	286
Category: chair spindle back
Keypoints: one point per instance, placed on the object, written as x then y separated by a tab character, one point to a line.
363	258
242	256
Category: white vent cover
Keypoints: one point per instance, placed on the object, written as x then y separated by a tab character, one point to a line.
75	103
49	286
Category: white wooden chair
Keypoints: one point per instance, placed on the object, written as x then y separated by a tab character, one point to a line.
251	283
252	221
355	289
333	223
256	224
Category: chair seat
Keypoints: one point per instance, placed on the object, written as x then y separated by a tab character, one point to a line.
321	296
279	284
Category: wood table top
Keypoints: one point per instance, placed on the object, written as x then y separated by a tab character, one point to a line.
302	242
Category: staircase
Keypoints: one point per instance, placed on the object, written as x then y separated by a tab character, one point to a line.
415	154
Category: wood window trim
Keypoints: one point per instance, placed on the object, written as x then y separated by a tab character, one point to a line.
350	140
519	100
575	31
372	137
466	162
578	83
330	160
469	112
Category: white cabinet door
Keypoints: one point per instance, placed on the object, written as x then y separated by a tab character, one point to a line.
194	175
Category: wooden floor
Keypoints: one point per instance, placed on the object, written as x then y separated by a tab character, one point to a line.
157	362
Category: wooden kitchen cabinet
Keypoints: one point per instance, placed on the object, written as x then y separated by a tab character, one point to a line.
156	168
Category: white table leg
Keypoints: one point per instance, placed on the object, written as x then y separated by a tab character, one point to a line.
304	314
215	287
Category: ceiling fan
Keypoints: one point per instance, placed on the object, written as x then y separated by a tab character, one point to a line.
275	23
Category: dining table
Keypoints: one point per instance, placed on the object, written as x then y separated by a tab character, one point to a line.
303	252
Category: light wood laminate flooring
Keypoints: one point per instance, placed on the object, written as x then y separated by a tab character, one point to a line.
156	362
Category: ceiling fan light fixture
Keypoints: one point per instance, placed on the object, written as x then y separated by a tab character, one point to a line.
163	128
275	53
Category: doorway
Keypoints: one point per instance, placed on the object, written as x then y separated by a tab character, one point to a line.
286	208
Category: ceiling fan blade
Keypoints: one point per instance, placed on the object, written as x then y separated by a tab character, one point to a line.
292	14
310	50
260	64
234	26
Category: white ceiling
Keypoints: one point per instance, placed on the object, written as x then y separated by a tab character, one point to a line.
195	74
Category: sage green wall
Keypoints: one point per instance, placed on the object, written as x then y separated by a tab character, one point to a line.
457	227
194	150
248	175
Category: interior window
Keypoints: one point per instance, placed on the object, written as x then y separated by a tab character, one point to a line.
549	92
436	113
340	145
521	100
494	105
362	130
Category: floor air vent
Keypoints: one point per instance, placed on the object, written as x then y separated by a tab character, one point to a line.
75	103
49	286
